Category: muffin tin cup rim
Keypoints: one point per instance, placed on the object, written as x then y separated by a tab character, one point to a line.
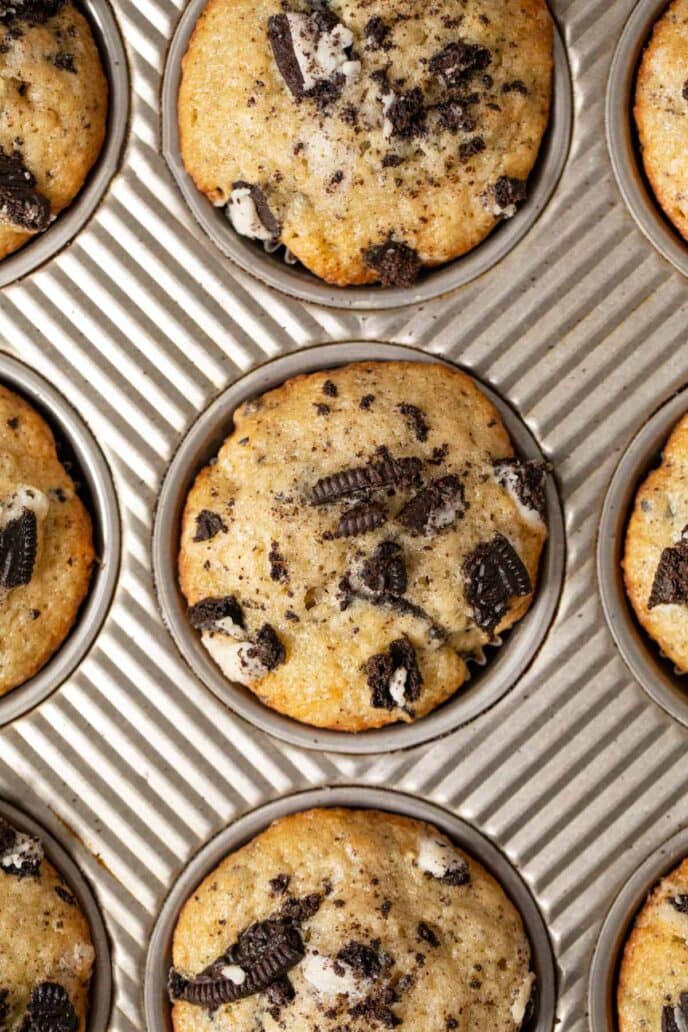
640	652
65	422
623	150
250	824
617	926
505	666
36	252
100	991
299	282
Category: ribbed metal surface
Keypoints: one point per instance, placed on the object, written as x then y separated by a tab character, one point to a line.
576	774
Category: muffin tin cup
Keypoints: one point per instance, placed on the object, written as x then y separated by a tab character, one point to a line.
72	220
624	148
241	831
92	472
297	280
100	995
641	654
487	685
617	926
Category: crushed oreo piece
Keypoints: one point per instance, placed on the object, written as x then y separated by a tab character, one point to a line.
426	934
267	648
299	909
394	676
670	584
458	62
675	1016
434	508
18	550
20	203
366	402
361	519
20	854
34	10
469	149
313	54
526	479
49	1010
279	884
365	961
65	62
208	525
515	86
405	114
454	116
250	213
330	389
375	1009
280	994
278	565
207	614
396	264
509	194
65	896
385	570
415	418
684	91
392	160
279	35
4	1007
494	574
382	471
679	903
376	32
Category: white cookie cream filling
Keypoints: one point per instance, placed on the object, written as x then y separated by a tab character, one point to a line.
243	215
397	686
387	125
233	659
321	55
332	977
508	479
234	974
439	859
504	213
23	497
518	1007
25	848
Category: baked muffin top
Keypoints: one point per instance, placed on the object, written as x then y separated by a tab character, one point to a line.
46	546
370	137
656	555
661	112
653	981
46	954
52	116
362	534
345	919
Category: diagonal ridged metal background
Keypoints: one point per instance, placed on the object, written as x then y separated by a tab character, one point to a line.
576	775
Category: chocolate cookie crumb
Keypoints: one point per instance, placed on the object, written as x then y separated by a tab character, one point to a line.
385	570
670	584
20	203
205	615
434	508
396	264
208	525
416	420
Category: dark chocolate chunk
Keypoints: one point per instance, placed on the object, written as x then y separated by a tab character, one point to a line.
265	952
361	519
385	570
65	62
679	903
416	420
208	524
469	149
376	32
675	1016
278	565
20	203
527	479
426	934
407	114
454	116
459	61
49	1010
267	648
31	10
205	615
381	668
396	264
434	508
18	548
670	584
494	574
509	193
381	471
268	219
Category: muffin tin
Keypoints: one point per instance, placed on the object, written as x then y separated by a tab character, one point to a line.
576	775
72	220
296	280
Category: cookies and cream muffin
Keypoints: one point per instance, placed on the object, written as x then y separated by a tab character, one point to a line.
349	919
661	112
52	116
46	547
46	954
370	137
362	533
655	561
653	980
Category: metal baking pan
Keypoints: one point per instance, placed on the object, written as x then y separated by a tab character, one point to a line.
654	672
297	280
159	957
486	685
70	222
100	997
622	139
76	446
